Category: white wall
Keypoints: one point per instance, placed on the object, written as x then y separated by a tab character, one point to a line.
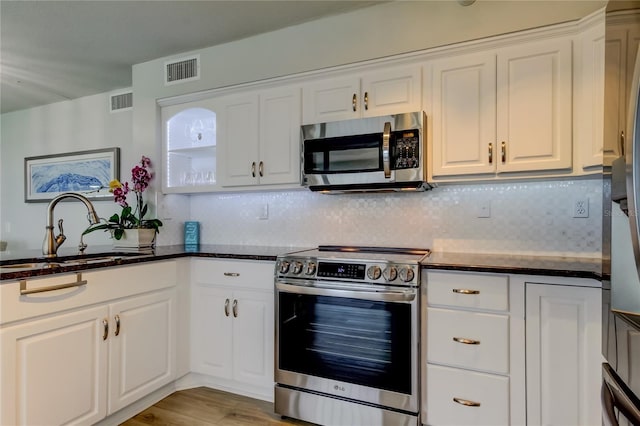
86	124
69	126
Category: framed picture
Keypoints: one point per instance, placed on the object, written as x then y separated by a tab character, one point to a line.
85	172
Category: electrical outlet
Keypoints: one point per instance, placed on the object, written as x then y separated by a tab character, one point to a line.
581	208
483	208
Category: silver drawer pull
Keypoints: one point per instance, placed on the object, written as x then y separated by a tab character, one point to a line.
466	341
465	291
466	402
78	282
231	274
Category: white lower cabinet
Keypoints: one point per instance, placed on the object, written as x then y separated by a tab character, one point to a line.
563	355
77	364
232	324
54	371
510	350
466	364
461	397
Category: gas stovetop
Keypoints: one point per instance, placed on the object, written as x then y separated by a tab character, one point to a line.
378	265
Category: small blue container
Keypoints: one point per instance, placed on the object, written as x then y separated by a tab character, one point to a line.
191	233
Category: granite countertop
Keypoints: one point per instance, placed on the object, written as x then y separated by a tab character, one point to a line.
576	267
70	261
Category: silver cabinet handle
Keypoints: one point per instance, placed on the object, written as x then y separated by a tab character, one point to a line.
226	308
117	318
354	102
622	143
77	283
235	308
231	274
466	341
465	291
105	327
490	153
366	101
386	160
261	169
503	152
253	169
466	402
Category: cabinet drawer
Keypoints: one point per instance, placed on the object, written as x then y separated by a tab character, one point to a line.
243	273
478	291
444	384
475	340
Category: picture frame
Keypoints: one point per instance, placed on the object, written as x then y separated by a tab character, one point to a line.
84	172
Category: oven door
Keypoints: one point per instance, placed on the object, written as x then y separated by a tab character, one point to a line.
349	342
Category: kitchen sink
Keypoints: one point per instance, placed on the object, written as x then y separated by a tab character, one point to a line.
31	265
67	261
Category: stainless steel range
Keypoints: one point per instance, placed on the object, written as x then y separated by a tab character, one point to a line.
347	329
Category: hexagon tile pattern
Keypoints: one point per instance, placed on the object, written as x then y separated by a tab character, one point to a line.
525	218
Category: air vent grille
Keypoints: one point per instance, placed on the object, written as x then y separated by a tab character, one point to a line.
121	101
185	69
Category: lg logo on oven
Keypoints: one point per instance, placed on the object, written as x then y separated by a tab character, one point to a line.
339	388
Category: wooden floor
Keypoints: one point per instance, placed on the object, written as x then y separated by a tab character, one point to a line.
205	407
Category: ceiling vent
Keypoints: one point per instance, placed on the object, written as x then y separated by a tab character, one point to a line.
182	70
122	102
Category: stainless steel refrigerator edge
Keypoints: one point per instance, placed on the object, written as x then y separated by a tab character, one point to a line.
621	192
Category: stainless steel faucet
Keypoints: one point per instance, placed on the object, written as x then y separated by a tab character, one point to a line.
51	243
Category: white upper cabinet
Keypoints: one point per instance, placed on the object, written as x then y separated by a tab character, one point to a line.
502	111
622	39
259	134
464	115
189	147
380	92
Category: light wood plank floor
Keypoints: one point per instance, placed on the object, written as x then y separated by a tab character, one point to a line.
209	407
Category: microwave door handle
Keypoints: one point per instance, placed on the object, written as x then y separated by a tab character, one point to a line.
386	162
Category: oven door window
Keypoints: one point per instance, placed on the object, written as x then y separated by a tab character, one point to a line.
351	340
349	154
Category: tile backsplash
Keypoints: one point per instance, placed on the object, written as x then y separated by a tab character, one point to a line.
524	218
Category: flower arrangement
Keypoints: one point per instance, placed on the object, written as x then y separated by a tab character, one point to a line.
129	218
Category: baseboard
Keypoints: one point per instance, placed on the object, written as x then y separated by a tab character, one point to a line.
137	407
193	380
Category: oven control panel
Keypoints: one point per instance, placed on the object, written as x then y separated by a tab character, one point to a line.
327	270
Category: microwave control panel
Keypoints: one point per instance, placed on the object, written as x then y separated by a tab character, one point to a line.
406	152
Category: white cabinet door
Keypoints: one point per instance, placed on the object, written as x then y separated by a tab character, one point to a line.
253	334
238	132
563	332
232	325
464	115
279	159
54	370
534	120
590	109
260	138
391	91
382	92
331	100
211	336
142	347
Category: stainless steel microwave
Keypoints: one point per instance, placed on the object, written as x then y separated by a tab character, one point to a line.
385	153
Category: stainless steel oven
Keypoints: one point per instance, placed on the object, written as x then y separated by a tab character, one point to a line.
347	329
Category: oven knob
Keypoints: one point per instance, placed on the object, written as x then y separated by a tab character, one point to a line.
390	273
284	267
374	272
406	274
297	267
311	268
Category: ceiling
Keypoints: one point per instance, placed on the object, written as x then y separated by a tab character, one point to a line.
51	51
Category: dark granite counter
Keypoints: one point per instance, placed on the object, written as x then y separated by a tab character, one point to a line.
576	267
69	260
